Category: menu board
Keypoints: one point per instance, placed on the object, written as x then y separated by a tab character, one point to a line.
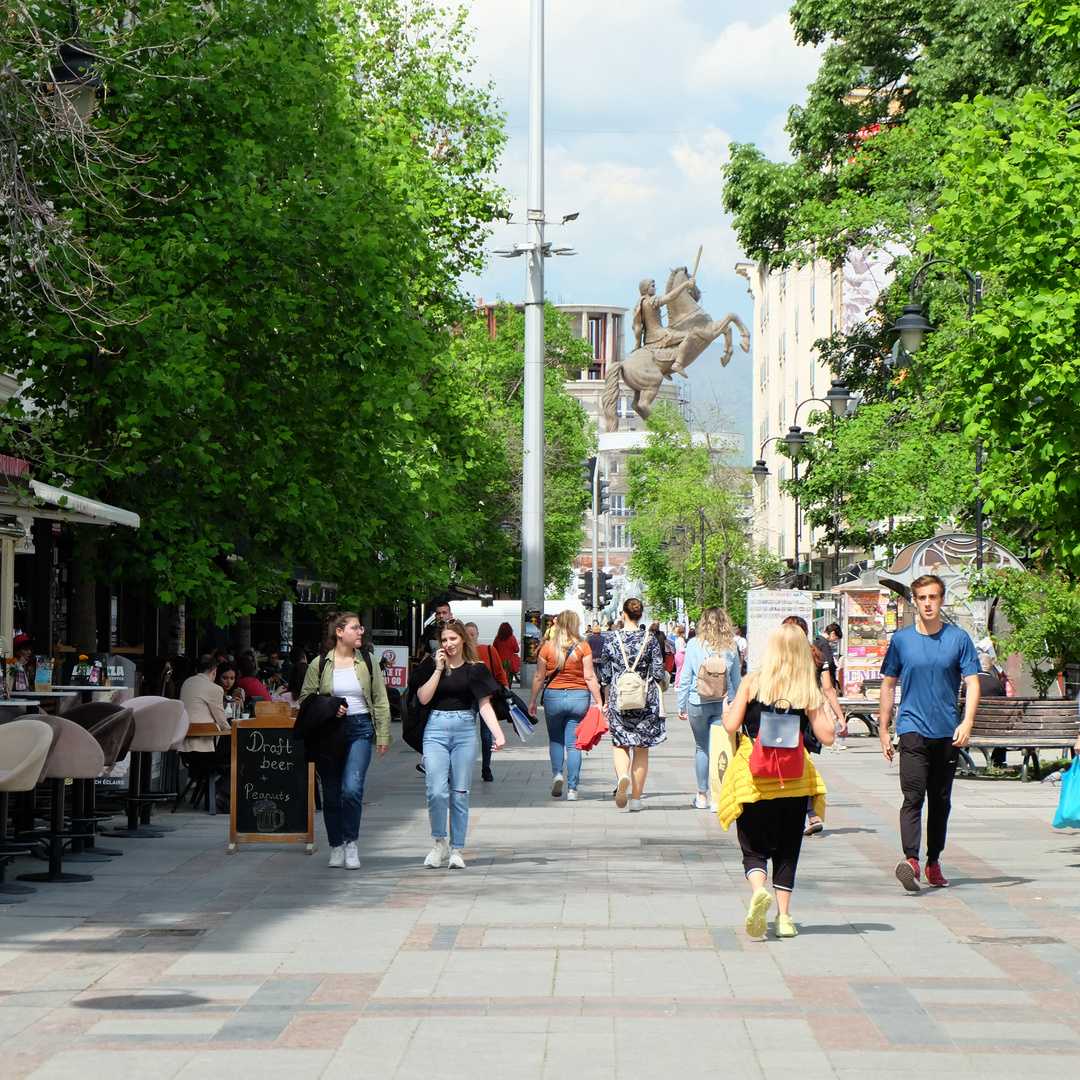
766	609
273	788
865	637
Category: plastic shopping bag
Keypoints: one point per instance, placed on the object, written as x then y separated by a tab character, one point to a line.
522	725
1068	811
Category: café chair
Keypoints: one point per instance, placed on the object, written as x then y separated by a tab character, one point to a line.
24	746
160	723
74	756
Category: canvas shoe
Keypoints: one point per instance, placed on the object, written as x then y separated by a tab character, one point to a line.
907	873
556	785
337	857
934	876
456	861
701	802
571	795
635	806
760	903
437	854
352	859
621	791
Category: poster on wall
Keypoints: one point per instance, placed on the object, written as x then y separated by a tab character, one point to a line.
396	665
766	609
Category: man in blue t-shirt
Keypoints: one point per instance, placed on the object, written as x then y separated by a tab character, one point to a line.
929	659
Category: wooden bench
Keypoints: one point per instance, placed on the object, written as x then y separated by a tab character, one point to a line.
865	709
1025	724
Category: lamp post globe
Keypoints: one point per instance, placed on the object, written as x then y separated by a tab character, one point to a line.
794	440
760	472
911	326
838	397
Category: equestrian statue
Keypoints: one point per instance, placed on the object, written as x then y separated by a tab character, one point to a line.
660	350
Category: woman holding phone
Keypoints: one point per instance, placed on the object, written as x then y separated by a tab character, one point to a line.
458	687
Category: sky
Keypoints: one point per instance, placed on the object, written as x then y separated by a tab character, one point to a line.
641	102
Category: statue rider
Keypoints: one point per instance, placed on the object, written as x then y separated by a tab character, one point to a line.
649	330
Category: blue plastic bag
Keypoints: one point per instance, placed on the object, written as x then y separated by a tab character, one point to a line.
1068	811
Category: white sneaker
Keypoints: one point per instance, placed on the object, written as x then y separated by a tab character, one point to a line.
634	806
701	802
839	745
621	790
352	860
456	861
437	854
571	795
714	807
337	857
556	785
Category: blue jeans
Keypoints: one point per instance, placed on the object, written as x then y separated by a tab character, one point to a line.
701	718
563	711
343	782
449	756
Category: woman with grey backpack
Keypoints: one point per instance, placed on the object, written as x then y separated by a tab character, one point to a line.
632	667
710	677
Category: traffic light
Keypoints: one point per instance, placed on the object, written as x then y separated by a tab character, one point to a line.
603	497
603	589
588	472
585	596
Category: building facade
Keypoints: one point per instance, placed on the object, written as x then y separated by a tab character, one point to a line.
793	308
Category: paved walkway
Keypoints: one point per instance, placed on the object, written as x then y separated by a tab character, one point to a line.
581	941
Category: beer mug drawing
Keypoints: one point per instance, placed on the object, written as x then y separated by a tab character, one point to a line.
268	818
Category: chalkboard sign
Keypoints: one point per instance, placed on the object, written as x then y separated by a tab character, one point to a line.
273	788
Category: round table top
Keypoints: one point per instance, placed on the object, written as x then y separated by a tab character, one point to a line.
22	694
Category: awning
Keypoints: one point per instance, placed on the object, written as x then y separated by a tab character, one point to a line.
68	506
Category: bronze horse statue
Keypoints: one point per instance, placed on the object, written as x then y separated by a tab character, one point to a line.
645	369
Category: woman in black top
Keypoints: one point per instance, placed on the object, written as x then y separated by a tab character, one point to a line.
457	687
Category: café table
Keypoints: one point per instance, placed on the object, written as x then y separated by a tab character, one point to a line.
196	731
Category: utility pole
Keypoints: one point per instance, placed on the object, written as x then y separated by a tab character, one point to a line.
532	480
595	540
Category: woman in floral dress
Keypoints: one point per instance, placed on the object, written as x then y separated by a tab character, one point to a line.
633	648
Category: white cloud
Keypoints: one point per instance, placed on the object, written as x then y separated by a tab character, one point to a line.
761	60
701	163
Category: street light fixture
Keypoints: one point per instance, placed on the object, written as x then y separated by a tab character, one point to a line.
912	327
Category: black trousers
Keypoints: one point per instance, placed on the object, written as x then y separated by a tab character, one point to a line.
927	769
772	829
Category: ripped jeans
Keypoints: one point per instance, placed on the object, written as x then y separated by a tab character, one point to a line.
450	744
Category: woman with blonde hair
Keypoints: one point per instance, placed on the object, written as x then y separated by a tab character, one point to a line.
715	638
769	813
566	695
457	687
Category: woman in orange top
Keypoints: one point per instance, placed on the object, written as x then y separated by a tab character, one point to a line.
566	697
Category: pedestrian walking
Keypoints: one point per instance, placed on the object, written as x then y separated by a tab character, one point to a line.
342	671
710	678
680	652
632	668
566	694
768	804
930	659
490	659
457	688
506	645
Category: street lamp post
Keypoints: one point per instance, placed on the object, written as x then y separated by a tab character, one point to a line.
911	328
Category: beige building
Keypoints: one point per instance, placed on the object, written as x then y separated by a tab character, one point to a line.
792	309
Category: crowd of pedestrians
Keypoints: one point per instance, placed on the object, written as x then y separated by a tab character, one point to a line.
773	720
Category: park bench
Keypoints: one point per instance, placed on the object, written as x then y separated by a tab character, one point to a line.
1024	724
865	709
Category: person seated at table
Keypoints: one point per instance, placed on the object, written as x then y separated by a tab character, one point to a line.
247	682
23	649
226	679
291	693
203	702
270	671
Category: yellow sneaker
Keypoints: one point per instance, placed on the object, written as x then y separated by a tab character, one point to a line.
785	926
760	903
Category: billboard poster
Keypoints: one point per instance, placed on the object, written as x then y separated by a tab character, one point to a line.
766	609
394	660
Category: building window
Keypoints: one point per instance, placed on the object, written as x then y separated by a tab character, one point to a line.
781	352
813	370
613	467
780	545
626	408
796	324
763	373
619	507
763	430
597	337
781	413
813	297
620	536
781	479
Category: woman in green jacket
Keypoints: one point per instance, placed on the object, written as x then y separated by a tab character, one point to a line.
340	670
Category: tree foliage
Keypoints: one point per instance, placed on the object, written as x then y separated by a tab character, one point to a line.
676	482
280	394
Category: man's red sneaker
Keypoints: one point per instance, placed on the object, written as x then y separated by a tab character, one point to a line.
907	873
934	876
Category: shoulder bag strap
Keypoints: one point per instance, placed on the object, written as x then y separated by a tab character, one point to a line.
641	651
622	649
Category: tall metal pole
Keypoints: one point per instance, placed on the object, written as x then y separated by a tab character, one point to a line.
532	480
595	540
701	511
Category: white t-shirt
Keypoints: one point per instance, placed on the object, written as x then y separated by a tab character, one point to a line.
347	686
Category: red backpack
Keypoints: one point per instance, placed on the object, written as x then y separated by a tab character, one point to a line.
778	752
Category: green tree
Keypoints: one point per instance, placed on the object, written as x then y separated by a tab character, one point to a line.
678	483
493	367
280	391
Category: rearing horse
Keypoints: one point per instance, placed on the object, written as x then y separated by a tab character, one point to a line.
645	369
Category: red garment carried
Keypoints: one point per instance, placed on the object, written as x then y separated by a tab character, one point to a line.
591	730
